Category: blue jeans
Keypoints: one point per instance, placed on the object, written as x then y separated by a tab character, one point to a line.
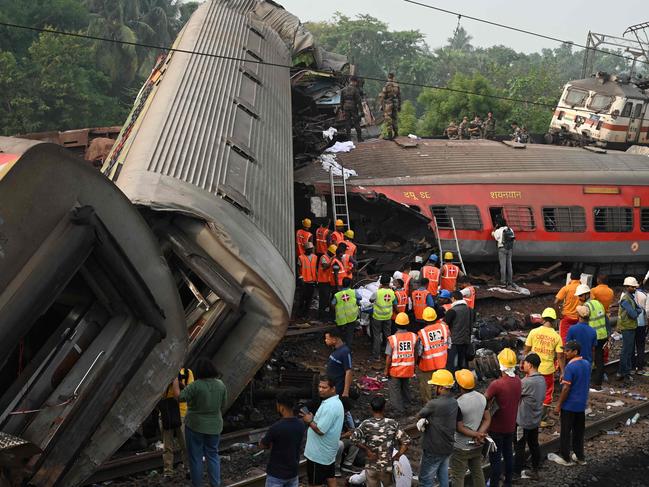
626	356
505	444
433	466
275	482
200	445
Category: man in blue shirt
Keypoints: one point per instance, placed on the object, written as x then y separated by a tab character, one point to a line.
323	435
584	334
339	364
572	406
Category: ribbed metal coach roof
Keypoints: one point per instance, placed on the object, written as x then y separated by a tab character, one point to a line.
207	130
435	161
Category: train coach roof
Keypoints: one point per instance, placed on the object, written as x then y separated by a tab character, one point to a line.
434	161
610	88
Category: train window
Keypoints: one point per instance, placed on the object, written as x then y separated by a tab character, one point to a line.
575	98
638	111
519	218
465	217
644	219
626	111
600	103
613	219
564	219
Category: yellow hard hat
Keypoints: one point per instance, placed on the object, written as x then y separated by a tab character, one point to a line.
549	313
465	379
448	255
349	234
429	314
442	377
402	319
306	223
339	223
332	248
507	358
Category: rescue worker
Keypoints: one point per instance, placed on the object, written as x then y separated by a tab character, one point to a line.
548	345
443	303
345	303
518	135
459	319
489	126
463	129
351	104
433	342
583	333
346	259
303	236
338	235
597	321
627	323
467	290
308	279
338	270
172	423
325	278
400	358
421	299
431	272
475	128
449	273
437	420
321	238
402	298
390	102
385	302
451	131
566	295
349	242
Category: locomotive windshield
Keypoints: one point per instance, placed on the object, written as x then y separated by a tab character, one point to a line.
601	103
576	98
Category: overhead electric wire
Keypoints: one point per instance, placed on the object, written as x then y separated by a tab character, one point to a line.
522	31
266	63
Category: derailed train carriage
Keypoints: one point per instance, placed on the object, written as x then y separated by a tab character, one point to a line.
102	283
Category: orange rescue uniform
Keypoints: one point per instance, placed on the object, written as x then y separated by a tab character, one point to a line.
402	302
351	248
432	274
419	303
434	341
406	281
321	235
325	274
302	236
308	268
449	275
403	354
349	266
341	273
337	237
470	299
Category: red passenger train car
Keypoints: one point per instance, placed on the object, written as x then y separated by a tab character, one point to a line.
565	204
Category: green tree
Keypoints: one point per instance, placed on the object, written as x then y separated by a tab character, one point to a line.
407	118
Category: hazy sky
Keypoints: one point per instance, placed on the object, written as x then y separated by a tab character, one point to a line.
570	20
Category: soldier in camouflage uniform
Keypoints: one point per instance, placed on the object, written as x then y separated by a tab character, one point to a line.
378	436
350	101
451	130
390	101
475	128
489	126
463	129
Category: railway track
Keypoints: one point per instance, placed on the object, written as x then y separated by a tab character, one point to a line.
133	464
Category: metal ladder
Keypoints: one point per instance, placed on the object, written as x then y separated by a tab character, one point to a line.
456	251
339	196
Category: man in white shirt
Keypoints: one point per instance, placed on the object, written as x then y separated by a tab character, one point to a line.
504	236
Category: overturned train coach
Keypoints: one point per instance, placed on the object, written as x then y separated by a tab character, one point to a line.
565	204
182	248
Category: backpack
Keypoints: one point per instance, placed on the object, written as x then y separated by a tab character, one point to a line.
508	238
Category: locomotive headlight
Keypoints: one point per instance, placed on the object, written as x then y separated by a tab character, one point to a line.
615	114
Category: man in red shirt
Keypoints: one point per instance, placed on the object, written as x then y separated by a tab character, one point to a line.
506	392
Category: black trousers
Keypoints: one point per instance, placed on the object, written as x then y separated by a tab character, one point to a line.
530	438
457	353
352	119
324	297
572	434
306	296
639	356
598	372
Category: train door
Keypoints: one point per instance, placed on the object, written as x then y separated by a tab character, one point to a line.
635	120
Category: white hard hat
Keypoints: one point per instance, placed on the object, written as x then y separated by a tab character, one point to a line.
582	289
631	281
397	275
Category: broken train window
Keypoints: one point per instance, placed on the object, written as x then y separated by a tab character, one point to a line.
465	217
564	219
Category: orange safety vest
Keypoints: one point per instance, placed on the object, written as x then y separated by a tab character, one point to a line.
449	276
434	341
309	268
403	354
342	273
470	299
405	277
432	274
349	266
302	236
402	302
447	306
419	302
351	248
325	275
337	237
321	235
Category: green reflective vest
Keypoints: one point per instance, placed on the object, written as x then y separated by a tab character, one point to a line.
597	319
624	321
383	304
346	307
